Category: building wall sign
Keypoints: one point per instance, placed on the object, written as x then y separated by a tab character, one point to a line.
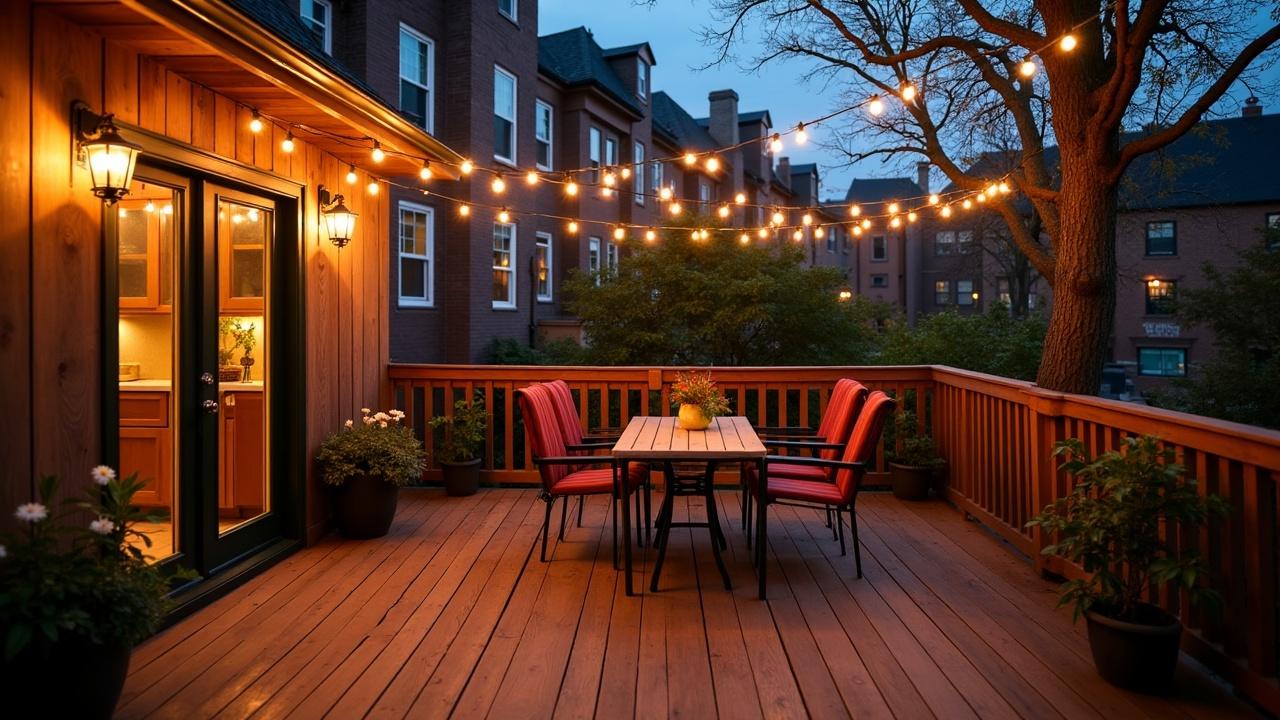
1162	329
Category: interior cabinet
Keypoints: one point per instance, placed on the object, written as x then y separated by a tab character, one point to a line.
146	445
244	458
145	270
242	258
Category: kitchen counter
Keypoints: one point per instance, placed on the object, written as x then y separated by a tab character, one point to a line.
251	386
163	385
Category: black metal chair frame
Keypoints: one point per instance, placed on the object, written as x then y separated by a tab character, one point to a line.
812	445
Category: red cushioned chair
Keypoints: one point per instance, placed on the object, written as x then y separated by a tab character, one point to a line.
564	475
842	492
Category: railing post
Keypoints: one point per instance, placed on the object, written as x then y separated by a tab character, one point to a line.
1043	430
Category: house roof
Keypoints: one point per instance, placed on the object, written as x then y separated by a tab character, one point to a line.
573	58
676	122
872	190
756	116
1230	161
804	168
636	49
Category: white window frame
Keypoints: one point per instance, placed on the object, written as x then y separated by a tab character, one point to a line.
595	148
593	257
515	114
610	152
963	296
538	107
429	258
327	38
656	177
884	243
704	193
611	256
430	87
637	182
642	78
513	16
942	293
510	302
543	241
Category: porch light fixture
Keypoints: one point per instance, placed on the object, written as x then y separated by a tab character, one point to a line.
111	158
339	221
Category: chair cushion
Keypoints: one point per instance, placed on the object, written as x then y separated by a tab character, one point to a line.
597	480
799	472
822	492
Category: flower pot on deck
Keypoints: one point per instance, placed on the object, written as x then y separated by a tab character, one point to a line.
461	478
72	678
691	417
366	506
1139	655
911	482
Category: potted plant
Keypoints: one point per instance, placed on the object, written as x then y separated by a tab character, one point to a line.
459	449
1109	524
367	462
228	343
75	597
913	459
245	339
699	400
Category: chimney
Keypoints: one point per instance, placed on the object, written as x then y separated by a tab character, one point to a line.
1252	107
922	176
724	117
784	171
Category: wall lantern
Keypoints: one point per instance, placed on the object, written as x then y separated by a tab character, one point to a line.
110	158
339	221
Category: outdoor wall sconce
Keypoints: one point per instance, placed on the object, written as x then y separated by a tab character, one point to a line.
110	158
339	221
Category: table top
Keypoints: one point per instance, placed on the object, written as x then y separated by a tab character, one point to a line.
658	438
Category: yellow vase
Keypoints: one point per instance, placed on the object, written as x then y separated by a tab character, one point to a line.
691	417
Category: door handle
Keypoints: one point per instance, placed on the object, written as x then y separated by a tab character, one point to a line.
210	406
206	378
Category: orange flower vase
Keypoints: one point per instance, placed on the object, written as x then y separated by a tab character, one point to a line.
691	417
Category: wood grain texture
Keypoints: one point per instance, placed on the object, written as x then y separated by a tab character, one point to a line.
660	438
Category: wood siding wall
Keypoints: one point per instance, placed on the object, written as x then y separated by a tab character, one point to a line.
51	254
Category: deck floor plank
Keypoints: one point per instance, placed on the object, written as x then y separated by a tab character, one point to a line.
454	615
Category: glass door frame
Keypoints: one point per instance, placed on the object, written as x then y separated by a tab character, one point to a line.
288	460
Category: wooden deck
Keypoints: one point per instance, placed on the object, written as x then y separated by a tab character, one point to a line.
453	614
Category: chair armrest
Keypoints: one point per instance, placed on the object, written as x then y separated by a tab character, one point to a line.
604	431
785	430
819	462
575	460
804	444
590	446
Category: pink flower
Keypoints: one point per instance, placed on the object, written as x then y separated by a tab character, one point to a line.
31	512
102	526
102	474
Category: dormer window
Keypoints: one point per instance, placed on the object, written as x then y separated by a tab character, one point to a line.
317	15
642	78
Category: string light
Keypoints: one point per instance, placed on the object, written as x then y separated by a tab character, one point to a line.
466	167
690	159
571	188
650	235
1068	42
573	227
377	154
775	143
893	208
713	164
876	106
819	232
255	123
675	208
967	204
531	178
740	198
610	179
908	92
723	211
934	199
619	233
425	173
287	144
992	189
373	187
763	233
504	216
464	210
806	220
912	216
802	136
895	222
1027	68
855	211
778	218
1004	188
498	185
351	175
946	211
982	197
798	235
606	193
665	193
866	223
857	231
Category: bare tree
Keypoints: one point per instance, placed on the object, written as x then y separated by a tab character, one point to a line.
1141	74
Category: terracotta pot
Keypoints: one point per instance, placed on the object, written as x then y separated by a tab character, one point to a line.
35	683
1135	655
691	417
911	482
366	506
461	478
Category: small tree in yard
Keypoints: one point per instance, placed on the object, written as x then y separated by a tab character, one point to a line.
993	343
1161	64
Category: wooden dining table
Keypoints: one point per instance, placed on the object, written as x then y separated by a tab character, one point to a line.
651	439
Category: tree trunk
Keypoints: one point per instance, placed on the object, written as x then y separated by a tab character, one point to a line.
1075	346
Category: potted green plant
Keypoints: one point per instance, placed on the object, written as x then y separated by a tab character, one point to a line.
459	449
913	457
367	462
1109	525
76	594
228	343
699	400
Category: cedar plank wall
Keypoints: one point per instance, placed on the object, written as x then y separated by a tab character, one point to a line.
51	251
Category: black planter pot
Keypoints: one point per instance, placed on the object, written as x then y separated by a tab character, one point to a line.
366	506
36	681
461	478
1136	656
911	482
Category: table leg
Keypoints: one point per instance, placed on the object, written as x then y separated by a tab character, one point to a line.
713	524
624	496
762	529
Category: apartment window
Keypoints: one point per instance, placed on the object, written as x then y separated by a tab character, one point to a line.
879	281
610	152
964	242
508	9
642	78
964	292
879	248
504	265
611	257
637	182
542	127
944	243
831	239
1160	295
545	263
1273	231
593	257
504	115
704	193
942	292
1162	238
1003	293
1162	362
317	15
417	248
417	55
593	152
655	177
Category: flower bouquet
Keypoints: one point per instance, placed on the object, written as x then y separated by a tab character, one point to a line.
368	461
699	399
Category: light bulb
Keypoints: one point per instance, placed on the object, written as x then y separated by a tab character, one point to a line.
946	211
675	208
149	207
806	219
694	235
876	106
504	216
912	216
466	167
498	185
573	227
967	204
531	178
713	164
775	143
425	173
762	233
571	188
895	222
723	211
934	199
619	233
665	193
744	238
377	154
866	223
610	180
854	211
798	235
857	231
351	175
992	189
690	159
625	173
168	210
255	124
802	136
740	198
893	208
819	232
1153	283
650	235
778	218
1004	188
982	197
286	145
464	210
606	192
1027	68
373	187
908	92
123	212
1068	42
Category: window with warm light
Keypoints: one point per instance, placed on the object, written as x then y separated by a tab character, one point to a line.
1162	238
417	248
637	180
504	265
1160	296
594	141
504	116
317	15
942	292
879	248
417	57
593	257
964	292
545	259
1162	362
543	120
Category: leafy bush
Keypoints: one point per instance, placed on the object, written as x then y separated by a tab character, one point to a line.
509	351
993	342
908	446
464	432
1110	525
379	446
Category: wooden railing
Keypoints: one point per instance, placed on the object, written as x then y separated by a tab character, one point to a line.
997	436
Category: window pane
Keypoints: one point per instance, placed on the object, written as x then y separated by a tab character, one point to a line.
1162	362
504	95
964	292
413	277
501	286
503	138
1162	238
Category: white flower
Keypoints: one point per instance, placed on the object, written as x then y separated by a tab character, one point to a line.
102	474
396	415
382	423
368	420
102	526
381	417
4	552
349	423
32	512
366	411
